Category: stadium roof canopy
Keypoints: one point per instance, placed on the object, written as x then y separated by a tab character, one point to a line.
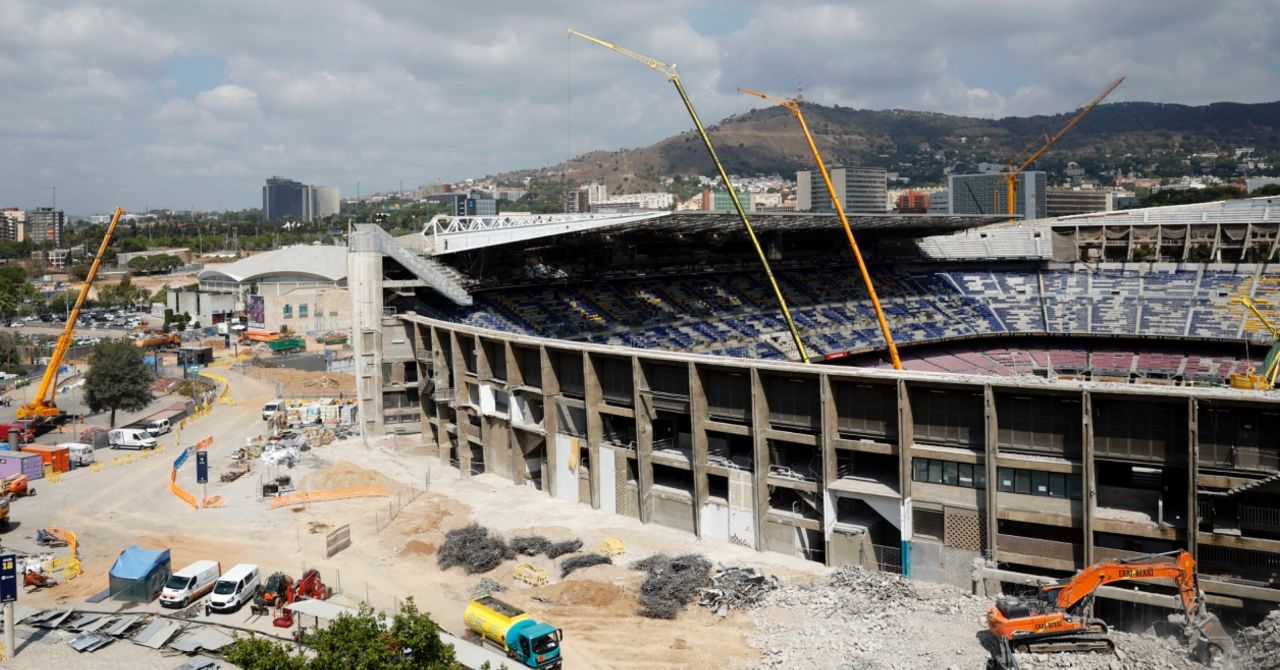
321	261
450	234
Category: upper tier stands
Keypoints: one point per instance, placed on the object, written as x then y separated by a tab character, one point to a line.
734	313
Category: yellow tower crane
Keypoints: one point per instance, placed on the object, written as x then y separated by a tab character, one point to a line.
670	72
1018	164
39	408
794	105
1270	363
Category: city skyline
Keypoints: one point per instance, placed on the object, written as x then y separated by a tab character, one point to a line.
149	104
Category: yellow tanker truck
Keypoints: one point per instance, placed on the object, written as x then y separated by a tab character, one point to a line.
531	643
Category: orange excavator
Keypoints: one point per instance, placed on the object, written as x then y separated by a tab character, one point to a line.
1056	618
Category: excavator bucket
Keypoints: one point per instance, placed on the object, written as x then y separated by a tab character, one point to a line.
1211	639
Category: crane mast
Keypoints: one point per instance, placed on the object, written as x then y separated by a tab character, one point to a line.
40	407
794	105
1010	176
670	72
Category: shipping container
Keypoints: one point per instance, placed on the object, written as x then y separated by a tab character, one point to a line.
57	457
19	463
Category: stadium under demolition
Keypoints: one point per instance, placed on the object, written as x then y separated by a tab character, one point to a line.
1066	396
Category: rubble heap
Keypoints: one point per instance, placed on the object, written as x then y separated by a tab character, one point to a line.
473	548
1259	646
873	586
737	588
583	561
671	583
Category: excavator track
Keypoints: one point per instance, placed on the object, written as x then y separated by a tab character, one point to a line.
1076	644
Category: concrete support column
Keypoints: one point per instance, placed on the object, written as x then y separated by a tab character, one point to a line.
514	378
364	272
698	417
991	454
906	438
1193	477
1089	477
760	449
550	418
827	444
644	443
595	427
458	381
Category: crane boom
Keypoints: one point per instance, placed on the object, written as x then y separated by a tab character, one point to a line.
39	407
670	72
1010	176
1270	363
794	105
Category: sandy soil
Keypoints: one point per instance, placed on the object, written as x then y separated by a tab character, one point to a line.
387	562
292	382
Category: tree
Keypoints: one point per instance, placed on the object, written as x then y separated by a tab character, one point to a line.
363	641
117	379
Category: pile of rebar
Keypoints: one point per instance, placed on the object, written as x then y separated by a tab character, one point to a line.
534	545
473	548
737	588
671	583
584	561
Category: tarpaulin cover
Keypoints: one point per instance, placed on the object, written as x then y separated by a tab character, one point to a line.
138	574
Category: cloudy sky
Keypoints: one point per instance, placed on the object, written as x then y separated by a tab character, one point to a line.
154	103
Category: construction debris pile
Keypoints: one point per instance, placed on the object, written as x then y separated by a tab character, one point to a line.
584	561
473	548
1144	652
737	588
486	586
1259	646
671	583
873	620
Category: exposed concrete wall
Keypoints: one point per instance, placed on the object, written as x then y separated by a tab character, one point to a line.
364	272
726	494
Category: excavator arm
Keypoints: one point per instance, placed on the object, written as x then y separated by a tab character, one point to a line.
1081	587
41	407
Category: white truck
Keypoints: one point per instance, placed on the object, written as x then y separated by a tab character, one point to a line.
130	438
81	454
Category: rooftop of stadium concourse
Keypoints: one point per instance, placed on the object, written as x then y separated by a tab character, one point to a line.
1245	210
451	234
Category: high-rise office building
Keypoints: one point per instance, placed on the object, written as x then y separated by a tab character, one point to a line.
285	198
988	194
13	224
325	201
46	225
860	189
577	201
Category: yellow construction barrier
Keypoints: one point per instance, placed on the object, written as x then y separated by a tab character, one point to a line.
69	566
530	574
612	547
95	466
304	497
213	501
53	477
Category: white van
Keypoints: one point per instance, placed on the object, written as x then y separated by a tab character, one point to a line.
270	409
190	583
158	427
130	438
236	587
81	454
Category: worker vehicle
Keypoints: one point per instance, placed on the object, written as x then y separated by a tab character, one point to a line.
529	642
190	583
42	407
1056	618
234	588
24	429
130	438
270	409
16	485
81	454
158	427
281	590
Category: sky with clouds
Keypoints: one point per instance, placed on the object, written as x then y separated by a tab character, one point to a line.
154	103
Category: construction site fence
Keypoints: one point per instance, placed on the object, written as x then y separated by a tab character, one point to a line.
396	504
307	497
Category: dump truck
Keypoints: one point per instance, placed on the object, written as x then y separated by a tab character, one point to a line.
531	643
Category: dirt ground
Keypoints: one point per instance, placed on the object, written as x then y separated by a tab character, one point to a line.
388	561
302	382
